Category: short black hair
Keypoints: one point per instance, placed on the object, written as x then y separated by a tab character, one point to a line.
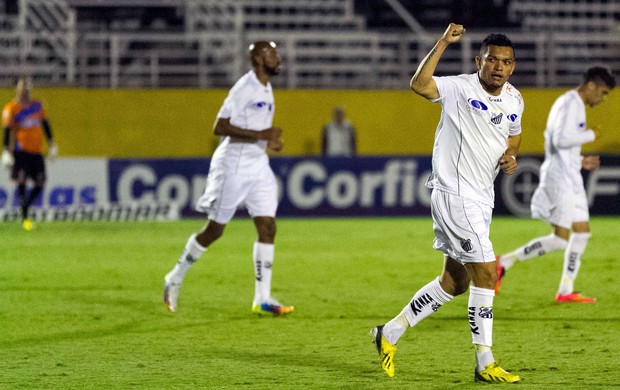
496	40
599	75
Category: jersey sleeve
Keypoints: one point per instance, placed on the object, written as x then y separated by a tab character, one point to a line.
514	119
569	131
234	103
446	88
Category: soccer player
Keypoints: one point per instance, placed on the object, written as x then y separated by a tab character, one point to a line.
478	134
24	122
560	198
240	174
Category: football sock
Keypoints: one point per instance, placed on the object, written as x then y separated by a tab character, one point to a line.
480	315
263	259
536	247
34	193
484	356
192	252
21	194
425	302
572	261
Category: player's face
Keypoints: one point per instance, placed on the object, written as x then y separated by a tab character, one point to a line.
24	86
271	61
596	93
495	67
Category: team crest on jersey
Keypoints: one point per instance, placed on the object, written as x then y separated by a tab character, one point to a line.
497	119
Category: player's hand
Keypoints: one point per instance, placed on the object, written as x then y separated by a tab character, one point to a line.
508	163
591	162
453	33
7	159
52	152
272	135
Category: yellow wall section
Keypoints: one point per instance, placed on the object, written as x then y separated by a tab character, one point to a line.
178	123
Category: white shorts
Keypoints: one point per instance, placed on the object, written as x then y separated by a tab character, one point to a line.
559	206
226	192
461	228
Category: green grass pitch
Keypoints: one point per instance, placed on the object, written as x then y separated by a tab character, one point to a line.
81	308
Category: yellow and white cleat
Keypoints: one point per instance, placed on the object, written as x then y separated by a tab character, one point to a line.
493	373
385	349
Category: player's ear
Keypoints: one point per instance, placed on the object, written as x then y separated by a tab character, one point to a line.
478	62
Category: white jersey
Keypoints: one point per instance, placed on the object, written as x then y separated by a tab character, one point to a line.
565	133
250	105
472	136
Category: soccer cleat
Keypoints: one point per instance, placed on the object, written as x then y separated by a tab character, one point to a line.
171	295
493	373
27	224
271	307
573	297
501	271
385	349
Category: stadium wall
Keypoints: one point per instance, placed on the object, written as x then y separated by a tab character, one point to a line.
177	123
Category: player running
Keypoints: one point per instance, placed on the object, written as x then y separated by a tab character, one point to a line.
560	198
240	174
478	134
25	122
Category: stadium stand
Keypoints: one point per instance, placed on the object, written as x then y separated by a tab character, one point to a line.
358	44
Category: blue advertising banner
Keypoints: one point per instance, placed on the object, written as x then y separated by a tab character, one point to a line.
308	186
362	186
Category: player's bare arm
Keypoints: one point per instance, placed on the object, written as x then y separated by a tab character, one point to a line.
508	161
591	162
422	81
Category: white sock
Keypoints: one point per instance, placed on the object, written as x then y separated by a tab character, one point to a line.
481	324
192	252
536	247
425	302
572	261
263	259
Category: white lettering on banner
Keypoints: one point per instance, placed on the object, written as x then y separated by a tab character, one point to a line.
136	173
170	189
342	190
173	189
309	186
596	186
295	188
